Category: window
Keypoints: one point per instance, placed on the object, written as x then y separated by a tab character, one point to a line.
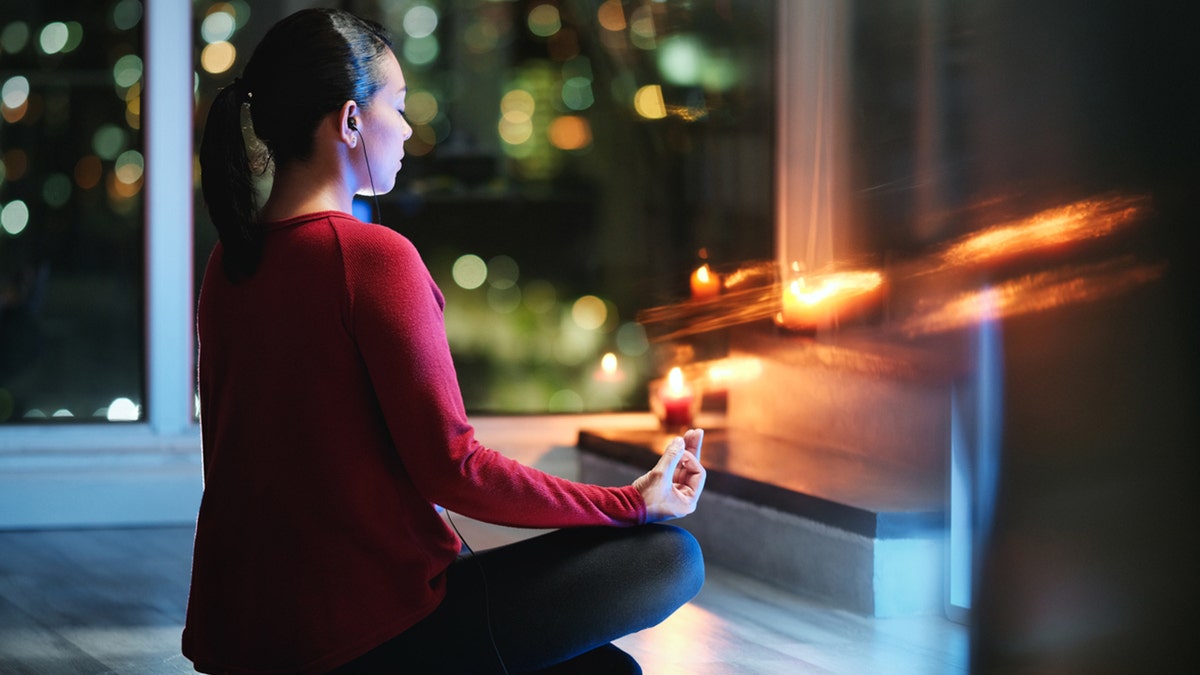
71	212
571	164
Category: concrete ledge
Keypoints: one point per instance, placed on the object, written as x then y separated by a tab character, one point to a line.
885	573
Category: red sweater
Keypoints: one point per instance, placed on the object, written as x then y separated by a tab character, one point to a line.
332	423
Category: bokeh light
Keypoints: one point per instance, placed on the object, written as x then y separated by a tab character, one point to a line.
218	26
14	217
15	91
16	163
611	15
129	167
14	37
54	37
218	57
565	401
56	191
481	36
88	171
421	51
109	141
680	59
74	36
123	410
502	272
570	132
589	312
648	101
420	107
504	300
127	14
544	20
420	21
469	271
577	93
641	28
631	339
127	71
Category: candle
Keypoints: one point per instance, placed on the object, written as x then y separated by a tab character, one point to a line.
810	303
677	399
705	283
803	308
610	370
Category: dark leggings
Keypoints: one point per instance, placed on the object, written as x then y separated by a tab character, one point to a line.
556	602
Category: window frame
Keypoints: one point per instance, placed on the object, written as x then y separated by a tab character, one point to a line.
148	471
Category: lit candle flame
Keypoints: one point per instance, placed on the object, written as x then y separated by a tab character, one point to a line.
810	301
608	364
675	382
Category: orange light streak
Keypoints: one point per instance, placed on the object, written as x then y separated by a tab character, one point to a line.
1078	221
1033	293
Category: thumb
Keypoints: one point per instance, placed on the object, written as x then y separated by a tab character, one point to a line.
671	456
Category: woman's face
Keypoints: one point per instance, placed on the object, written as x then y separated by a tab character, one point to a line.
383	128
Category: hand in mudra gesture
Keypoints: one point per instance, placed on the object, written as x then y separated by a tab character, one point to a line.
672	488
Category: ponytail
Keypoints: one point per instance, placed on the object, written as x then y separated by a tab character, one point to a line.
227	183
306	67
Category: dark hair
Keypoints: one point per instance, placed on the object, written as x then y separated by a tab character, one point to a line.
307	66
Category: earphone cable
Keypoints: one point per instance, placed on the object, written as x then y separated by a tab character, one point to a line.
487	606
370	177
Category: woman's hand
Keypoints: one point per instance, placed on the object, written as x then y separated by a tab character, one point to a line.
672	488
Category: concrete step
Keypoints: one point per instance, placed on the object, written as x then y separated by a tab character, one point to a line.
827	472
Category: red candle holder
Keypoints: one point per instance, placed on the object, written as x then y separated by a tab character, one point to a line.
675	401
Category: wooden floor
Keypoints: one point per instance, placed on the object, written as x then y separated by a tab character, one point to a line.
112	601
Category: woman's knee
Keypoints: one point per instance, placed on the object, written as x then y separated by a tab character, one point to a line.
673	552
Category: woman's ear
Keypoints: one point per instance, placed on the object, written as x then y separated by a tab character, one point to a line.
347	120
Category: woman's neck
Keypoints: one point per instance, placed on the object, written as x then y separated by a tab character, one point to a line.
302	188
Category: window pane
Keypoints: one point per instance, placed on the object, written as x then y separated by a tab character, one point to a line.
71	229
571	163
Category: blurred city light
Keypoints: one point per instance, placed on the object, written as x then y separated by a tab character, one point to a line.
570	132
611	16
502	272
544	20
421	107
127	71
218	26
648	102
15	91
641	28
14	37
218	57
126	14
54	37
420	21
123	410
589	312
469	271
421	51
14	217
680	58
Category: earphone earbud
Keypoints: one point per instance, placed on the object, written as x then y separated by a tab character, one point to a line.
352	124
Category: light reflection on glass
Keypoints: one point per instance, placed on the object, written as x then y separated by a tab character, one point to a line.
1033	293
1084	219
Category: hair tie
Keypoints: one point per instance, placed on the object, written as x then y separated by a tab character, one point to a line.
240	86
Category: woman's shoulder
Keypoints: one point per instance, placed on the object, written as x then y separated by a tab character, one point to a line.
359	239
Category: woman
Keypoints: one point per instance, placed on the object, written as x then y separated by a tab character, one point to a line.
332	422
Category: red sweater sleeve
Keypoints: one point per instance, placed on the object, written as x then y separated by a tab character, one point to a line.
396	319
